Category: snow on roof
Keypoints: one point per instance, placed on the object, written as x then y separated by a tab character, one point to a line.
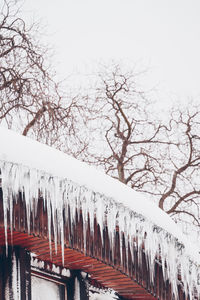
136	213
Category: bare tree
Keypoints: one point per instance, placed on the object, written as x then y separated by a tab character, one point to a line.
181	188
125	124
133	146
30	99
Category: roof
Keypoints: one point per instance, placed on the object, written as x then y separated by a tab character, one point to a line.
32	167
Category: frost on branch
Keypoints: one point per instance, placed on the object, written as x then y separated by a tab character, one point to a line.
60	194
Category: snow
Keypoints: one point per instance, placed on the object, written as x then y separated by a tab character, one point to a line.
101	297
101	294
30	166
65	272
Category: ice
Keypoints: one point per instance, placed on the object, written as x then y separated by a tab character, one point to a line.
64	182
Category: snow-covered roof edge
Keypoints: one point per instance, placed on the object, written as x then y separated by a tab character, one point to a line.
20	155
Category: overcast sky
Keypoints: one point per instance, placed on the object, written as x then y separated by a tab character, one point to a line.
160	35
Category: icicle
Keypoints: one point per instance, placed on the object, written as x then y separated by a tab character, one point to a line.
100	212
92	211
86	205
6	177
77	290
16	290
59	194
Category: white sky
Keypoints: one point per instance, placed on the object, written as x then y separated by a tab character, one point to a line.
162	36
